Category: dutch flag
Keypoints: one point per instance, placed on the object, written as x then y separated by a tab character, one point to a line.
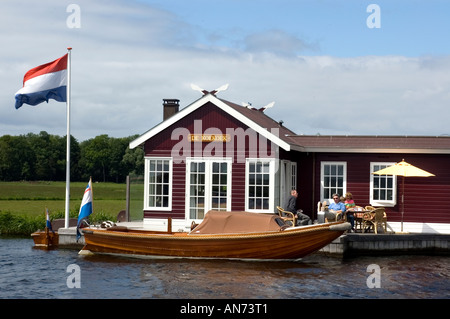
86	207
48	223
44	82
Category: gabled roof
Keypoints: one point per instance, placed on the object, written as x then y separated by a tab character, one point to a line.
373	144
288	140
252	118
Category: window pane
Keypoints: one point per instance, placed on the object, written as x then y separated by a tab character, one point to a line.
389	194
151	201
223	179
251	191
376	182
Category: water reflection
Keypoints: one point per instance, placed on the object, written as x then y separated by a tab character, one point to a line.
31	273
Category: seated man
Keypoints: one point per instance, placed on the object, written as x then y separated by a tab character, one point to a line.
291	206
335	208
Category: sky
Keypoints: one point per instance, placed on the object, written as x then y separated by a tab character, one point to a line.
332	67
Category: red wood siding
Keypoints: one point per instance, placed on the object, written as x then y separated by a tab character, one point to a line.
426	198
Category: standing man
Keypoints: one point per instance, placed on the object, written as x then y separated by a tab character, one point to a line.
291	206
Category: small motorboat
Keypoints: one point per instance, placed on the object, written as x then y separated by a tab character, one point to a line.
224	235
45	238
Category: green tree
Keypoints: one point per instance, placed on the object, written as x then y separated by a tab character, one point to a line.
16	158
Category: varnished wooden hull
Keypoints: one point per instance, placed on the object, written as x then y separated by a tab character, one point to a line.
285	244
43	239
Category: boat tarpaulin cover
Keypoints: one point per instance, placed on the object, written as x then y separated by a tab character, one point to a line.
219	222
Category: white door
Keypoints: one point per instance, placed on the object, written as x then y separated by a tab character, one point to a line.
208	186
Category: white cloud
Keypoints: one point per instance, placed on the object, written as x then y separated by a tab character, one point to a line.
127	57
276	41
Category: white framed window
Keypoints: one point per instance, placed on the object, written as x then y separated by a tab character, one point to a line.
383	188
288	179
208	186
293	175
158	183
259	181
333	179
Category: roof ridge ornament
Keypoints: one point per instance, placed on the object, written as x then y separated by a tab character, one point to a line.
205	92
261	109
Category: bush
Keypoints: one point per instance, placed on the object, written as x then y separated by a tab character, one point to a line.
20	224
23	225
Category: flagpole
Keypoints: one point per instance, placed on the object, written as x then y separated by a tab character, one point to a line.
68	140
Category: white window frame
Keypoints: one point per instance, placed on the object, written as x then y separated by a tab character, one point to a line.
147	184
322	180
208	182
294	175
288	179
272	164
383	203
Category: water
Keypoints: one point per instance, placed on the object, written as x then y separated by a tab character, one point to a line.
31	273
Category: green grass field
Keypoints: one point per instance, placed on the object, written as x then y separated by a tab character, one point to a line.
31	198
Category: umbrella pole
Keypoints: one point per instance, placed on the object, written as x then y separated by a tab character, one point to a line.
403	200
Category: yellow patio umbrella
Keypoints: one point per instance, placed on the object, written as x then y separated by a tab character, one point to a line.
403	169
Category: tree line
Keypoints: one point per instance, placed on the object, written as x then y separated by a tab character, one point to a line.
42	156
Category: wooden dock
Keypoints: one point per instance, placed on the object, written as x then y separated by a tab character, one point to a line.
356	244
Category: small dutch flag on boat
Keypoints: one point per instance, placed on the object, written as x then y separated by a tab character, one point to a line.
86	207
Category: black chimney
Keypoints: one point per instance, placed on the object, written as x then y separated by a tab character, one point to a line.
171	107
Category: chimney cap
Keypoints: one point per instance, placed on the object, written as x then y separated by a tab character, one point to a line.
171	101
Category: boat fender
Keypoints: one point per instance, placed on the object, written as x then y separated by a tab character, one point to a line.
85	252
341	227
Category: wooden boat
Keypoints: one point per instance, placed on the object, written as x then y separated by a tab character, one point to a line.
229	235
45	239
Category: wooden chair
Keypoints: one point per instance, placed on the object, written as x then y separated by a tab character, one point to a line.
358	214
375	218
336	217
288	217
122	216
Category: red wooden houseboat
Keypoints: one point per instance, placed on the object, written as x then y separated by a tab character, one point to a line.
217	155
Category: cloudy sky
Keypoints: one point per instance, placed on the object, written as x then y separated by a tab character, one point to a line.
332	67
